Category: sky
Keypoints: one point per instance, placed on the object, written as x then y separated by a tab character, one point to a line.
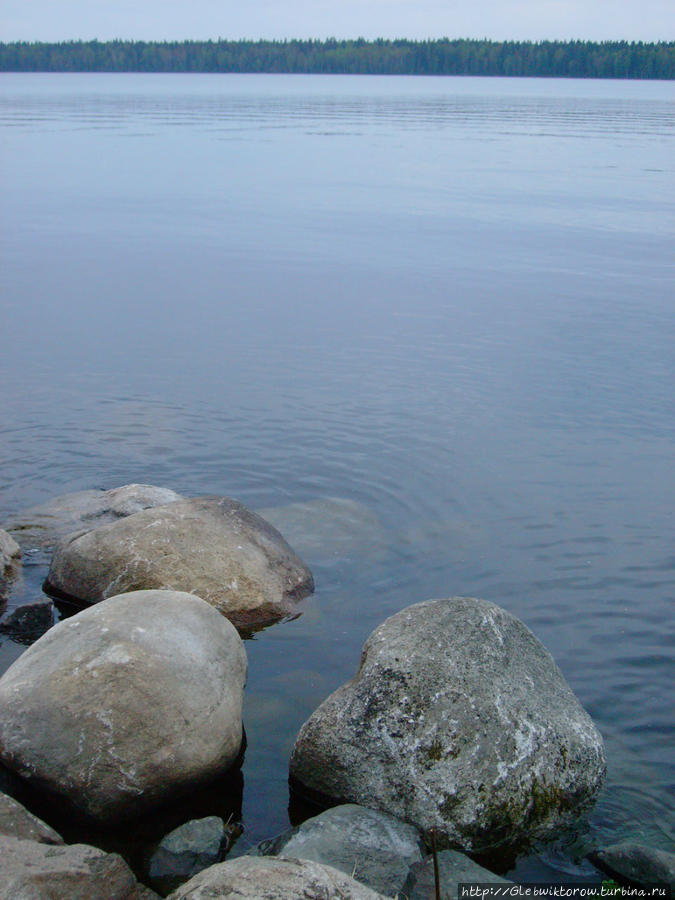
55	20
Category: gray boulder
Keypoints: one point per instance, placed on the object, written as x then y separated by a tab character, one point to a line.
40	527
372	847
457	720
187	850
635	863
213	547
10	560
126	703
37	871
17	822
29	622
453	869
271	878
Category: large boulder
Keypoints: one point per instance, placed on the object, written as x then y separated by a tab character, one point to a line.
17	822
126	703
37	871
211	546
457	720
40	527
373	847
270	878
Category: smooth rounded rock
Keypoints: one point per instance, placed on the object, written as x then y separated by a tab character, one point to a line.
126	703
271	878
213	547
458	720
372	847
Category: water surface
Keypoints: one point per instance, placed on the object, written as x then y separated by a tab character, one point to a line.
449	300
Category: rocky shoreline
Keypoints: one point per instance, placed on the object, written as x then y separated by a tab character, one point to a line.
458	730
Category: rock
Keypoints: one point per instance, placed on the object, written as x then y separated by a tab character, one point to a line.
213	547
38	871
330	528
453	869
10	552
636	864
42	526
17	822
271	878
372	847
10	560
187	850
28	623
126	703
457	720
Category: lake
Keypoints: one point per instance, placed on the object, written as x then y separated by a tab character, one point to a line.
448	301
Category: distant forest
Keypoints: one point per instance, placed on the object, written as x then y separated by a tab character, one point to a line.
559	59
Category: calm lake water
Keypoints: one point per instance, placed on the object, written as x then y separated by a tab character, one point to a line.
448	300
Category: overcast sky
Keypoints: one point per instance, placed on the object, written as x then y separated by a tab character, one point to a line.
54	20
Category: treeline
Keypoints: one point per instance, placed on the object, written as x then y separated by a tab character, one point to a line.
562	59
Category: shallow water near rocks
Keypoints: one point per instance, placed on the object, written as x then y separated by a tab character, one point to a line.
445	304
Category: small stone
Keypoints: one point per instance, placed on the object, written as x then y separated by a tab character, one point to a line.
29	622
372	847
187	850
636	864
453	869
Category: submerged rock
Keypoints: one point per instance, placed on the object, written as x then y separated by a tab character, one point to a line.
40	527
29	622
17	822
453	869
372	847
126	703
187	850
330	528
210	546
271	878
457	720
636	864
